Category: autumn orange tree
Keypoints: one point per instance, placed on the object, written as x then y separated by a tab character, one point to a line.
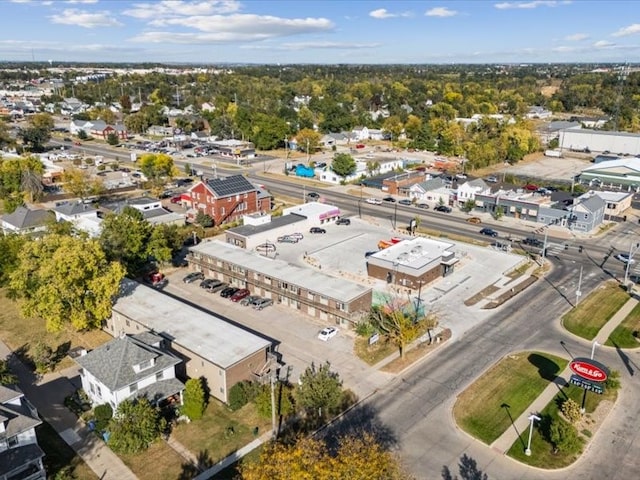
358	457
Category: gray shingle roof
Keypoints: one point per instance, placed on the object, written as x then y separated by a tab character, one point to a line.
113	362
73	208
14	458
233	185
22	218
18	418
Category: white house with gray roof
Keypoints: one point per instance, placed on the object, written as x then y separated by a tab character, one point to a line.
130	366
468	190
208	346
23	220
20	455
83	217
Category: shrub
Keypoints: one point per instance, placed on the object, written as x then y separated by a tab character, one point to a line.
194	399
564	437
613	380
204	220
102	414
242	393
43	357
365	329
571	410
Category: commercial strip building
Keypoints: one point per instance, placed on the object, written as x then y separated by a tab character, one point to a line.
413	263
208	346
308	290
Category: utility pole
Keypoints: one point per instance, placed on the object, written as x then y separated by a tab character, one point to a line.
308	157
274	427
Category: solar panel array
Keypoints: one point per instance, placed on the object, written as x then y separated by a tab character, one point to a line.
233	185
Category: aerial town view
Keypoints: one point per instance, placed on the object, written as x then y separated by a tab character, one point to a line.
319	240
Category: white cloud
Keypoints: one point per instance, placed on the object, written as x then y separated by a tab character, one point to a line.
626	31
177	8
576	37
603	44
292	46
529	5
563	49
81	18
81	1
440	12
381	13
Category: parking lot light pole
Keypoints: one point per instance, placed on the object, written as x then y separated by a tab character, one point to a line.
532	418
632	252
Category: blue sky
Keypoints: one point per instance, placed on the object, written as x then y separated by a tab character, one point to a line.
310	31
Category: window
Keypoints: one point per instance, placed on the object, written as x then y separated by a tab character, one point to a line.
220	372
127	322
159	375
221	390
13	441
99	390
133	388
340	306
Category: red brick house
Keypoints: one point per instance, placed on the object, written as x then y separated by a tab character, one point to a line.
228	199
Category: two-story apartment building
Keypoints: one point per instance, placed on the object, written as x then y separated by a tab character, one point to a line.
227	199
310	291
20	455
209	347
130	366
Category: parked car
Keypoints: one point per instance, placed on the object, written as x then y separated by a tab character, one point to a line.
491	179
217	288
317	230
531	187
405	201
443	208
193	277
424	206
287	239
176	199
343	221
262	303
461	176
327	333
297	235
624	258
360	145
374	201
313	196
207	282
228	292
489	232
475	220
389	199
249	300
239	295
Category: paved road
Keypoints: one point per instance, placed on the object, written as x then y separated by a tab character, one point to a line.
415	411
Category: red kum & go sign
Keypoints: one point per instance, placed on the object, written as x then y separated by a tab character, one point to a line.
589	369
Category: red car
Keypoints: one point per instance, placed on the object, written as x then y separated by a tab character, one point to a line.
240	294
531	187
360	145
176	199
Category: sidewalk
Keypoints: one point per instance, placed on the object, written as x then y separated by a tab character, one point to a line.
48	396
521	424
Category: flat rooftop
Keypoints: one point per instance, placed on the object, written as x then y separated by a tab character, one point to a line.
307	278
412	254
203	333
276	222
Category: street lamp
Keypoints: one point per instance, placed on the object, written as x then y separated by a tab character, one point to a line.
532	418
632	252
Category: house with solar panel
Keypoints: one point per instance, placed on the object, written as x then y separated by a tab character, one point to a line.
228	199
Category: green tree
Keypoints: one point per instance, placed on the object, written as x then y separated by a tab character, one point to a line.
135	426
124	238
320	391
283	399
400	326
307	135
136	123
242	393
43	357
268	132
164	242
195	402
204	220
499	212
468	206
64	279
6	375
102	414
112	139
158	168
125	103
5	136
10	247
571	410
393	125
343	164
82	135
564	437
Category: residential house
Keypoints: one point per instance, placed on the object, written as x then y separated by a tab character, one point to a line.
98	128
584	215
433	191
25	221
308	291
131	366
209	347
467	191
151	209
83	217
159	131
361	133
227	199
20	455
616	203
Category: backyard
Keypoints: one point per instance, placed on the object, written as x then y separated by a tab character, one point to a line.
487	408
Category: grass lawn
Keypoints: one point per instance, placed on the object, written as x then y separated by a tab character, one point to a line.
373	354
593	312
158	461
622	336
542	455
60	455
211	437
21	334
486	408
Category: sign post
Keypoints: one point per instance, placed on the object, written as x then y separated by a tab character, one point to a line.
588	374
